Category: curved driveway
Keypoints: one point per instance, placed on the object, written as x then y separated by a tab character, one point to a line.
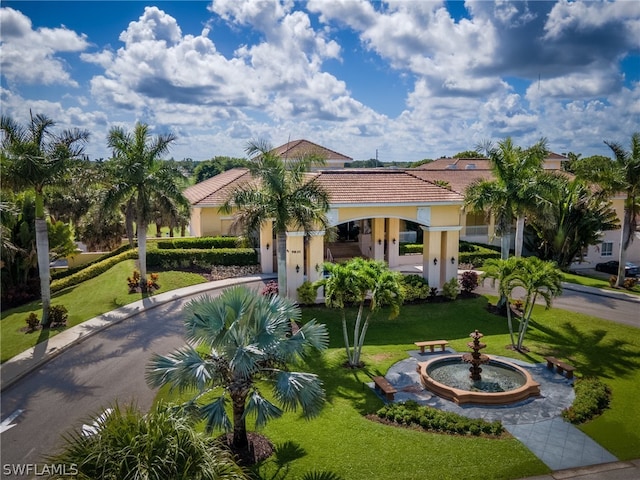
109	366
83	380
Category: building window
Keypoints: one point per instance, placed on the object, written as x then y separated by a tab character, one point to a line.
607	249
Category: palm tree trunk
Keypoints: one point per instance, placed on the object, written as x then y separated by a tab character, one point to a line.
281	254
526	316
622	257
519	235
240	440
510	324
142	253
345	334
128	222
42	248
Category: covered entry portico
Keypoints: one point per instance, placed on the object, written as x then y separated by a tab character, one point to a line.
386	198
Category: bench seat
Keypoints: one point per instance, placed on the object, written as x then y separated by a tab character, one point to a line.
561	367
382	385
431	344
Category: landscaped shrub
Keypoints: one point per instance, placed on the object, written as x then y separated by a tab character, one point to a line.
133	282
469	281
307	293
408	248
477	258
270	288
92	271
613	279
630	282
58	315
592	398
201	257
62	273
199	242
415	287
451	289
32	322
411	413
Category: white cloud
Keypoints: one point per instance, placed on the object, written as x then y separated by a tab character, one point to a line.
30	56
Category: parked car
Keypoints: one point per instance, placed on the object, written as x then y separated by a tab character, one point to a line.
630	269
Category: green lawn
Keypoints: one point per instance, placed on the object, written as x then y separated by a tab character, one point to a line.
344	441
596	283
87	300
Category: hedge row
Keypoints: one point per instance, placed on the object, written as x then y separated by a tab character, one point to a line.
473	254
477	259
199	243
91	271
431	419
70	271
592	398
201	257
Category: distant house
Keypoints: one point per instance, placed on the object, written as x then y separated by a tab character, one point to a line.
299	148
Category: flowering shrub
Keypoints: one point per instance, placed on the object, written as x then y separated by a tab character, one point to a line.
134	282
270	288
469	281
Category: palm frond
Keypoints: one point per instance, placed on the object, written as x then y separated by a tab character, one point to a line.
293	389
215	415
263	409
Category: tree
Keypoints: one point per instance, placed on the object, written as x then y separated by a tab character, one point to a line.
572	217
251	345
514	190
538	278
215	166
469	154
281	192
35	158
625	178
369	285
140	179
161	444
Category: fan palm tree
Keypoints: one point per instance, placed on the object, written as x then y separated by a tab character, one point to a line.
282	193
250	342
124	444
357	282
34	158
141	178
512	192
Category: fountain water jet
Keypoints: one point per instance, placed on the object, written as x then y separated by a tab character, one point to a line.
503	382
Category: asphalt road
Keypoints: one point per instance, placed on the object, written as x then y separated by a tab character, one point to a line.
110	366
83	381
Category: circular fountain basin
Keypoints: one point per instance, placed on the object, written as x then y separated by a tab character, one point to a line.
502	382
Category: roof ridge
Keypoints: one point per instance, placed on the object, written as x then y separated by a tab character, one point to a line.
238	171
424	180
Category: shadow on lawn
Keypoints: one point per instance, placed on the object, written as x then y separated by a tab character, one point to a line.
594	353
277	467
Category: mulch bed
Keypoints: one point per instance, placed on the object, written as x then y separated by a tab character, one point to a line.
260	448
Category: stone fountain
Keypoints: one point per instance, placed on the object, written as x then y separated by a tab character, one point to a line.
502	382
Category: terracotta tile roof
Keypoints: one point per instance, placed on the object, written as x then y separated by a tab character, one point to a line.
556	156
383	186
215	190
298	148
458	180
456	164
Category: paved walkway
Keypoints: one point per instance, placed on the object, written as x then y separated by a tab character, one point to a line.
536	422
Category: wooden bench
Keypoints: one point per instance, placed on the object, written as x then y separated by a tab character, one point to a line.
382	385
561	366
431	344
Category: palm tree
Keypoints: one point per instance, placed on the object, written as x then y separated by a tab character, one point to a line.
572	218
123	444
250	342
140	179
514	190
34	157
282	193
538	278
357	282
627	179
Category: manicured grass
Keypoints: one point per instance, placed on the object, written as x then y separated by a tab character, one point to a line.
87	300
343	441
588	281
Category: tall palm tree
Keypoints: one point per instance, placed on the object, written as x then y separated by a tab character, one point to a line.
282	193
124	444
627	179
357	282
34	158
250	345
512	192
142	178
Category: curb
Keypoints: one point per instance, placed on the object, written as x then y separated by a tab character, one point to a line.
601	292
33	358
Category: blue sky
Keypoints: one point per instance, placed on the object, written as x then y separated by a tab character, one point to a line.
409	79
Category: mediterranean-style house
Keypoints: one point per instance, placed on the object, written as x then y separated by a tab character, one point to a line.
384	206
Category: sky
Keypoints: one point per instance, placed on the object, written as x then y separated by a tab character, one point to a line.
398	80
